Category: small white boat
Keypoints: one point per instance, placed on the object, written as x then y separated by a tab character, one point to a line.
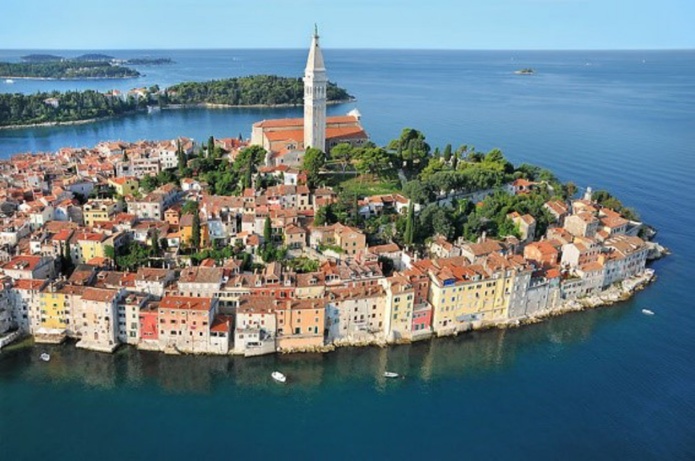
647	312
45	357
279	377
390	374
9	80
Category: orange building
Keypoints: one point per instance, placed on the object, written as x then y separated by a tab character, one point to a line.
300	323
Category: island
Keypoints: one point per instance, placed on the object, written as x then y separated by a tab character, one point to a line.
65	70
51	108
41	58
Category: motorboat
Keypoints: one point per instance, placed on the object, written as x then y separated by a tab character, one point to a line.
647	312
45	357
279	377
9	80
390	374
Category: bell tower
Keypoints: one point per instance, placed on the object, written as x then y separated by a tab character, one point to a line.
315	83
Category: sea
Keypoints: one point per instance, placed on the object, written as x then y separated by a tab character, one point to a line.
603	384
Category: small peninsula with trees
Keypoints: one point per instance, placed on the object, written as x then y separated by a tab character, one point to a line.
18	110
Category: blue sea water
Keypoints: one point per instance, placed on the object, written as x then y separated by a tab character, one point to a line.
604	384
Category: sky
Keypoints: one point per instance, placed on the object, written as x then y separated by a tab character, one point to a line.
406	24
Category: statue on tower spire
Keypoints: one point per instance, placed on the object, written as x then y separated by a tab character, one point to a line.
316	31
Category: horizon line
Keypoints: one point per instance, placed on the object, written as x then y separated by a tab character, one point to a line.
345	49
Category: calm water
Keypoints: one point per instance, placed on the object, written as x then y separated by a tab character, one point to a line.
605	384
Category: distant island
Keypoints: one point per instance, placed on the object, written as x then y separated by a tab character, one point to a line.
94	57
86	66
65	70
52	108
525	71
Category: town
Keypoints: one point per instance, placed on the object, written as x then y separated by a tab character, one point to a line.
251	247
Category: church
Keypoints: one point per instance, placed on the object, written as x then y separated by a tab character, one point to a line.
287	139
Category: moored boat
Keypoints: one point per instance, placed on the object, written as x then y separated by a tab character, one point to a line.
647	312
279	377
9	80
390	374
45	357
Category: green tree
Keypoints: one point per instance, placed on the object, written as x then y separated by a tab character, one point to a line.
156	248
313	162
189	207
195	231
342	154
110	252
410	225
373	160
148	184
211	147
418	191
447	153
267	231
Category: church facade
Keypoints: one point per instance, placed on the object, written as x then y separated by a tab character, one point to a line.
287	139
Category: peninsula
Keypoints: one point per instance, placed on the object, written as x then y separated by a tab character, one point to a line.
18	110
305	237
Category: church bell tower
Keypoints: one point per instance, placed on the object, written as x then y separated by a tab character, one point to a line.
315	83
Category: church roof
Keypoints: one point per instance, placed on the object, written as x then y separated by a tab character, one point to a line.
299	122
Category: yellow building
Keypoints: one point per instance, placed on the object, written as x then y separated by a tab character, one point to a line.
400	295
186	231
126	185
58	306
85	246
95	211
467	295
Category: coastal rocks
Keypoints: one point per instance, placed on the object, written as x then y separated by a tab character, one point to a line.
656	251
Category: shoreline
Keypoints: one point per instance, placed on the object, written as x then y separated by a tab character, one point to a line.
203	105
606	298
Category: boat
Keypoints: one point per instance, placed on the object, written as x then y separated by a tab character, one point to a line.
526	71
390	374
45	357
647	312
279	377
9	80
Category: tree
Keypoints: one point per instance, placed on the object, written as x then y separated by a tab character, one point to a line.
267	231
195	234
373	160
110	252
189	207
342	154
211	147
148	184
447	153
69	266
156	249
418	191
181	157
410	225
314	160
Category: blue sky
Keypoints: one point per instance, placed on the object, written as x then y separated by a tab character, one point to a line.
438	24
